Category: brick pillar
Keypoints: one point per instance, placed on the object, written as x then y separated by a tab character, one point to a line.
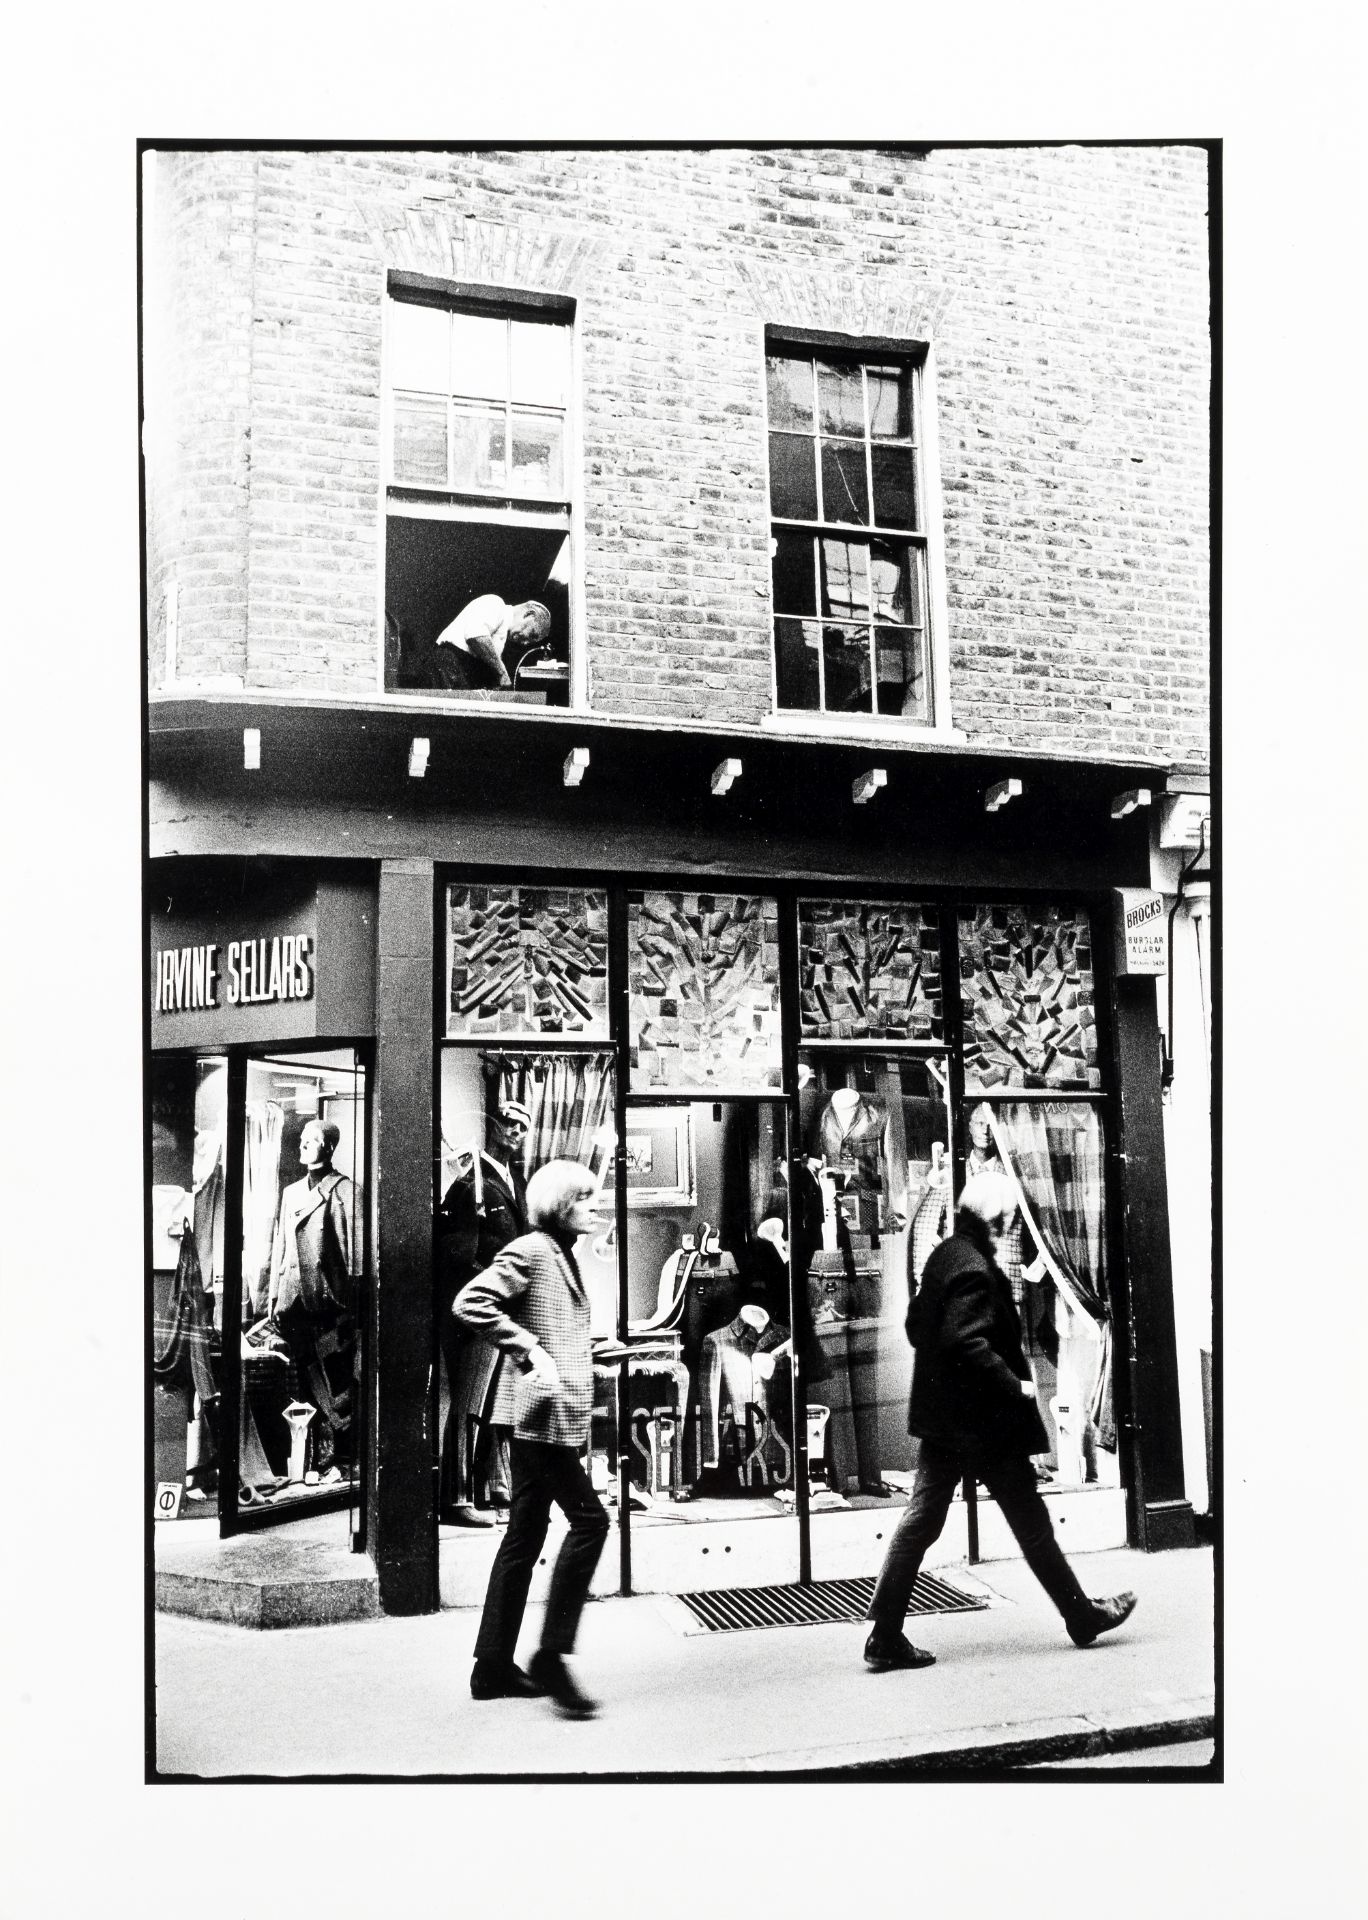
401	1469
1147	1399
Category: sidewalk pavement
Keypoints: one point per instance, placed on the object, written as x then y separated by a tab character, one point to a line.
390	1697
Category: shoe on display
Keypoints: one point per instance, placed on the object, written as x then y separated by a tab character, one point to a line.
553	1677
886	1651
465	1516
490	1680
1101	1617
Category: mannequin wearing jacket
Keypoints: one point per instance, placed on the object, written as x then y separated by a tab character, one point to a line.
973	1407
483	1209
313	1284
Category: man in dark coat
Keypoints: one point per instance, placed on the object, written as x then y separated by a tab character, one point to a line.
973	1406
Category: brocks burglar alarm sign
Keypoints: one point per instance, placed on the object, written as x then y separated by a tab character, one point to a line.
1141	930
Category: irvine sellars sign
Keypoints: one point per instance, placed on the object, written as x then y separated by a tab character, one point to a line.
243	973
1140	921
245	960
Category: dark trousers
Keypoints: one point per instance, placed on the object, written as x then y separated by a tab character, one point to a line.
542	1474
1011	1481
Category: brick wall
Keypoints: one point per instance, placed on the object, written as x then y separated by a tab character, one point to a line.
1066	290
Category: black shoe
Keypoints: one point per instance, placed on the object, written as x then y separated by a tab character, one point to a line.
553	1677
490	1680
883	1651
1101	1617
465	1516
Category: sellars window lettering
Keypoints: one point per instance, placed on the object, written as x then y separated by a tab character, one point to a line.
252	973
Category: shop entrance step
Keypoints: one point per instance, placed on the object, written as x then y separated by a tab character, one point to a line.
297	1575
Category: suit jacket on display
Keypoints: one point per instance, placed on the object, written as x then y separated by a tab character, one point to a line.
314	1254
532	1295
966	1379
474	1231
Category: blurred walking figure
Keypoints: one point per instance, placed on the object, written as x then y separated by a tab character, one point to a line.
531	1304
973	1406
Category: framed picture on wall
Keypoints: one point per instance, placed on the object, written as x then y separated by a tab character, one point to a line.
660	1158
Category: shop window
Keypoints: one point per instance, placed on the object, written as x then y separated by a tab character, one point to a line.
704	978
1054	1255
707	1420
527	962
872	1181
189	1120
478	524
869	970
1026	981
848	534
503	1114
303	1259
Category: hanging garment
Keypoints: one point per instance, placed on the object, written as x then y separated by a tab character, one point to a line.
264	1125
313	1261
856	1139
183	1339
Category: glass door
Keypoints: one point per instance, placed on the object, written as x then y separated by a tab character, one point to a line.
304	1261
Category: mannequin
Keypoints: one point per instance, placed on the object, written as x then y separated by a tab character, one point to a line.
482	1210
313	1286
736	1366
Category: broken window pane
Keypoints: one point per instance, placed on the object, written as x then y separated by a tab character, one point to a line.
840	399
790	393
845	485
796	643
793	484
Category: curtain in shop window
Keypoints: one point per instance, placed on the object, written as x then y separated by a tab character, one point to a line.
1054	1151
260	1193
570	1100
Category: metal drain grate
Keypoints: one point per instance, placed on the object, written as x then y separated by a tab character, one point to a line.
734	1608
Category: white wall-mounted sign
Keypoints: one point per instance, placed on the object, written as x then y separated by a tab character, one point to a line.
1141	926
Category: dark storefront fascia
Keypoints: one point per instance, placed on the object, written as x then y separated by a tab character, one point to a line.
334	786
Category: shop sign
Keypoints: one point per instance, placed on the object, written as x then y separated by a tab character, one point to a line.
1141	925
240	973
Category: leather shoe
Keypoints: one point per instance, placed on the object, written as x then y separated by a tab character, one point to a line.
490	1681
553	1677
1101	1616
883	1651
465	1517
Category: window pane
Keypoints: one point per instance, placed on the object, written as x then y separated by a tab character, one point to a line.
420	451
790	393
419	343
846	659
189	1114
845	579
845	488
704	981
541	363
794	590
795	653
880	1128
896	583
527	961
869	969
537	448
900	659
479	355
793	484
890	403
895	487
1027	983
840	399
478	457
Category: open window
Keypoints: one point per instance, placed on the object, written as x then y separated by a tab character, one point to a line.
478	545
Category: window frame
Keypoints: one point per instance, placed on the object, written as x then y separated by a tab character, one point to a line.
867	351
561	513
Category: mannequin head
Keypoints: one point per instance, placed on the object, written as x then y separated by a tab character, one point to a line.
508	1129
317	1145
980	1128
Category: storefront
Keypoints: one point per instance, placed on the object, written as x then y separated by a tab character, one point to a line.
776	1070
258	1102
